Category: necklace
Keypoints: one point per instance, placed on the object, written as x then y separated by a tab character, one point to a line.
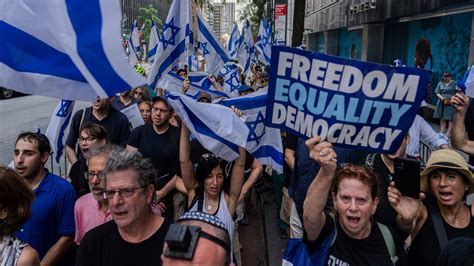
209	207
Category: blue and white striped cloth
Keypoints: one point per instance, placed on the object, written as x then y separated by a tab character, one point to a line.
263	142
198	81
246	51
231	79
57	125
215	126
64	49
153	43
209	46
264	41
134	45
175	40
234	41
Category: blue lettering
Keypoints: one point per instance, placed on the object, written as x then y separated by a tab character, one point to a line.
298	95
336	108
281	90
351	110
320	103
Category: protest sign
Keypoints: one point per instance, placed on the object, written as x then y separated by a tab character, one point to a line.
349	103
133	114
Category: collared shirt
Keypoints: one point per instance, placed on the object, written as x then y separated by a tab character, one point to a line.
119	105
52	214
88	215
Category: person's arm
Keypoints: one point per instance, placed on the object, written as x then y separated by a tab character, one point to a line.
70	154
316	197
428	134
236	181
160	194
255	173
458	135
131	149
411	213
187	171
28	257
290	158
58	251
179	186
215	84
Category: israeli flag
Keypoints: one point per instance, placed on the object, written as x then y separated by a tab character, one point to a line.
209	46
64	49
246	49
198	81
57	125
153	43
193	62
215	126
231	79
134	39
263	142
174	40
466	84
234	41
264	41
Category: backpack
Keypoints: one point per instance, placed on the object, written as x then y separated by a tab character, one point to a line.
296	252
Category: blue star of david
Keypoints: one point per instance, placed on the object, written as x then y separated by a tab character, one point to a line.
174	31
253	128
265	41
63	110
248	49
203	47
230	81
227	69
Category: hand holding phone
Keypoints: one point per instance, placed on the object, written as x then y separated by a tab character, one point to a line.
407	177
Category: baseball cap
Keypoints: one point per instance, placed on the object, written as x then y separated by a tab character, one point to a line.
163	99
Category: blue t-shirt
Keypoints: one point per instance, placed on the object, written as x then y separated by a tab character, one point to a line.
52	214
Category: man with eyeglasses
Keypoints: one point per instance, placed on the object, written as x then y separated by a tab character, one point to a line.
116	124
159	141
136	235
50	229
92	209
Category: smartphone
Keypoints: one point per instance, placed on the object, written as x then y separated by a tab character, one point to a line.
407	177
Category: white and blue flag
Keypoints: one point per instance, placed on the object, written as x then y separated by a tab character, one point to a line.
215	126
175	39
64	49
57	125
264	41
153	43
193	62
232	83
198	81
246	49
234	41
263	142
134	39
209	46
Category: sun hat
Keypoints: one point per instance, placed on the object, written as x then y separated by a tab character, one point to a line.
447	159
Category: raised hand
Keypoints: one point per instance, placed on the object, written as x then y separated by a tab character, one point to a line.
460	102
322	153
406	207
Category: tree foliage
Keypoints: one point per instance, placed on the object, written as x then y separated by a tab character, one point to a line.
149	14
253	12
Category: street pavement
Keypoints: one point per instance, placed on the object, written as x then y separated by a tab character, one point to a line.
26	114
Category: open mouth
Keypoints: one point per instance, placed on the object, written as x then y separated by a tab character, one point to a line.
353	220
445	195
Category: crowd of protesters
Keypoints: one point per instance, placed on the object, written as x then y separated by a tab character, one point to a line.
153	195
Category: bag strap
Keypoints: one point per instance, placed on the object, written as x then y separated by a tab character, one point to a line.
335	228
388	239
438	225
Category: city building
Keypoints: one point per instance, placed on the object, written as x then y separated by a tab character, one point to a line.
384	30
220	16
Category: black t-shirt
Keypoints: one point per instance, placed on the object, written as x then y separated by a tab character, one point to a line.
425	248
78	180
103	245
115	123
162	149
385	213
349	251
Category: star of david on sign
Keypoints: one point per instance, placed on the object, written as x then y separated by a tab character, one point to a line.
168	27
203	47
63	110
253	128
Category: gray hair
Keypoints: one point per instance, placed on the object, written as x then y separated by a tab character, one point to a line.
121	160
102	150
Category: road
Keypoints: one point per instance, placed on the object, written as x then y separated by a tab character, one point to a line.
26	114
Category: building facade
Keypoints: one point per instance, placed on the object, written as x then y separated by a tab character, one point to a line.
131	10
384	30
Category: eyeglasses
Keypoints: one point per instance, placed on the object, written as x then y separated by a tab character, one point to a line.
139	93
126	192
91	175
88	139
156	110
